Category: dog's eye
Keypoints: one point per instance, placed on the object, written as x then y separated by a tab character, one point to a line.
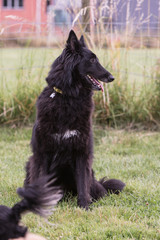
93	60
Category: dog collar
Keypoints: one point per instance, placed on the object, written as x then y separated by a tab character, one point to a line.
57	90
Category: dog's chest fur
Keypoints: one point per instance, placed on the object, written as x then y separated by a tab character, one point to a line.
64	117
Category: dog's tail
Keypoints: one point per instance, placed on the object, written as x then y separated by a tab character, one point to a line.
39	197
112	185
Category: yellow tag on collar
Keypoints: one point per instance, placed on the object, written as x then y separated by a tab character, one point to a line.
57	90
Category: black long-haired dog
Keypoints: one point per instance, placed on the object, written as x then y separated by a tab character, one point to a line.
62	141
39	197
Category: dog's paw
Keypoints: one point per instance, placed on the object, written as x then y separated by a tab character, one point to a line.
83	203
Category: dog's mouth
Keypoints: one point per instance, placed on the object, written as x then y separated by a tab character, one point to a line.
95	82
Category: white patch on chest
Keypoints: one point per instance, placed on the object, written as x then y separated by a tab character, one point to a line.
68	134
52	95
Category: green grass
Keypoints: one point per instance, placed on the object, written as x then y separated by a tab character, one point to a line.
130	156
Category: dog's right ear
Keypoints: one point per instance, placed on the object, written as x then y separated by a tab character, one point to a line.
72	41
82	41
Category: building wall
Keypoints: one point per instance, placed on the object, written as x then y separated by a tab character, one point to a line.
26	15
147	12
29	18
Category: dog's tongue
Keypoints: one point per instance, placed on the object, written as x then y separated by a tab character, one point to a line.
102	89
99	84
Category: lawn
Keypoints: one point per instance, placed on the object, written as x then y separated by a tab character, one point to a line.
130	156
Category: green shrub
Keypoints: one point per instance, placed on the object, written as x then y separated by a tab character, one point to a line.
123	104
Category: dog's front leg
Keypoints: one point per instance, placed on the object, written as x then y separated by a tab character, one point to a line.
83	181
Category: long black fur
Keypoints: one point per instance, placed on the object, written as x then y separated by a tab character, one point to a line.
39	197
62	141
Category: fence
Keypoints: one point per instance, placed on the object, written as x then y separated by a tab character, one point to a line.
113	36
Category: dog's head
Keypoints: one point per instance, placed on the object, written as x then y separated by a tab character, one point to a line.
77	67
89	66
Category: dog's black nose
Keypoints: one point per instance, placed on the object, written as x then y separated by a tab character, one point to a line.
111	78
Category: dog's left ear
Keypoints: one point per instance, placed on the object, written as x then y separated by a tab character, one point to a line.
82	41
72	41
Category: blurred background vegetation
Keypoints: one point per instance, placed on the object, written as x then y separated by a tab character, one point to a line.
125	35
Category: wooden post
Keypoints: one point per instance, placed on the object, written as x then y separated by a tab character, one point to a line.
38	17
149	10
86	16
92	20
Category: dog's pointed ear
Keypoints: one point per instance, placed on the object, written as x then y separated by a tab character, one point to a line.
72	41
82	41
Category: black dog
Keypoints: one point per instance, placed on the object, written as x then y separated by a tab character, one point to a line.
62	141
37	198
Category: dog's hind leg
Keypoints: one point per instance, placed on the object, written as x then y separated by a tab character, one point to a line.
27	179
97	190
32	171
36	167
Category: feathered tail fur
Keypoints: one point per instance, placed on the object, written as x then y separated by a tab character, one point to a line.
39	197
